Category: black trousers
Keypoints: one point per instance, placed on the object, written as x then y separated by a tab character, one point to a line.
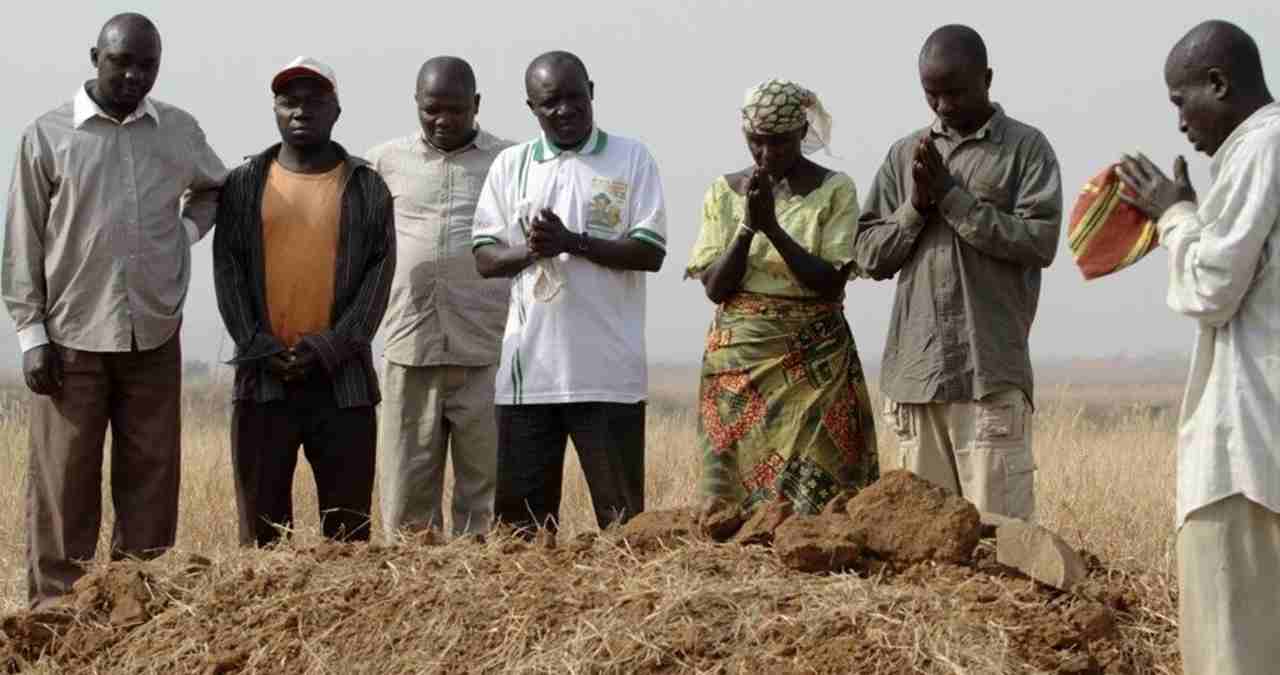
339	443
609	439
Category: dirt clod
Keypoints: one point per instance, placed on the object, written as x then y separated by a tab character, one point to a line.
906	519
822	543
665	529
719	520
764	521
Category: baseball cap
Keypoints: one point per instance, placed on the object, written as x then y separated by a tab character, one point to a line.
304	66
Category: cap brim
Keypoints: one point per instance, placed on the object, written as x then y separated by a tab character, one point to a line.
290	74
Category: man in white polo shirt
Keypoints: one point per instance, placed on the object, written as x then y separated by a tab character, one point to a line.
575	218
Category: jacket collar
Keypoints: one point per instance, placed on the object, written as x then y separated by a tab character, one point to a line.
265	157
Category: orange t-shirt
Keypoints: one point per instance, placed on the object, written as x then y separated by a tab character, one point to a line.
300	213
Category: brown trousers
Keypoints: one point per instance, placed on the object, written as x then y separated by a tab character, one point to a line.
138	395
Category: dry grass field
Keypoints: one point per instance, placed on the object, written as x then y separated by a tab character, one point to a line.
1105	482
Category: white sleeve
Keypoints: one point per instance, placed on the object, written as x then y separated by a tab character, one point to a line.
492	218
1214	252
648	208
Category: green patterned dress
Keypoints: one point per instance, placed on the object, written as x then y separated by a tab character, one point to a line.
783	406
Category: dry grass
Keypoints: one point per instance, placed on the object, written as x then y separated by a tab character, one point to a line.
1106	458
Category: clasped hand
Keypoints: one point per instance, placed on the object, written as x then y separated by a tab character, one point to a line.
930	178
760	212
292	365
548	237
1151	192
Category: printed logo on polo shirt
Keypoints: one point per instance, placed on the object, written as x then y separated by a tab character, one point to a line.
604	213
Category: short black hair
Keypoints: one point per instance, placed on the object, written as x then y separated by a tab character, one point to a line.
125	22
956	40
554	58
452	66
1219	44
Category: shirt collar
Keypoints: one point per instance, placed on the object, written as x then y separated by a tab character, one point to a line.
1261	116
483	141
544	149
85	109
993	129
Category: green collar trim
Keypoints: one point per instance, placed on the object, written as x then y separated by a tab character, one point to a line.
544	149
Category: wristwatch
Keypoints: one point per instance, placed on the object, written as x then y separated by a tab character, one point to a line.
583	244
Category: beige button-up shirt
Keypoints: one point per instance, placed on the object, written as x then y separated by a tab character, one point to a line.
969	271
101	218
442	312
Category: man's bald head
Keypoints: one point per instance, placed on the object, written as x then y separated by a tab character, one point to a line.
1217	45
545	64
447	72
955	43
127	58
1214	75
127	25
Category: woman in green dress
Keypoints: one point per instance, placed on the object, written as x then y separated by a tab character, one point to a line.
783	407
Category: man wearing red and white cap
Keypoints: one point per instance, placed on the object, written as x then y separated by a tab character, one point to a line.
303	260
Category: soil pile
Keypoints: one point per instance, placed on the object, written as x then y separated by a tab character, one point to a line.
658	596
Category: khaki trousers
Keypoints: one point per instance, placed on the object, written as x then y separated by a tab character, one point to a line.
138	395
428	413
980	450
1229	589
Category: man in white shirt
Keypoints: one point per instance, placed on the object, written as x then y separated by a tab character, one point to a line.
575	218
1224	273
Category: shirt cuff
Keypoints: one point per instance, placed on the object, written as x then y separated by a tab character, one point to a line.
907	216
193	231
32	336
1173	217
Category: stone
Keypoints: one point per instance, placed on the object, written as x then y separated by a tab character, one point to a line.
764	521
905	519
1039	554
816	544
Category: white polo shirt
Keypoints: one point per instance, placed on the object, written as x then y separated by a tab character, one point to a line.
587	342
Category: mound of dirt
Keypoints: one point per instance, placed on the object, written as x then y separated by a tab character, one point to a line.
654	596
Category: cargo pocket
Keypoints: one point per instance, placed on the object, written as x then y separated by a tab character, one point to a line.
1001	420
999	466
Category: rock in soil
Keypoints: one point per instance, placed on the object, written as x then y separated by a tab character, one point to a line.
760	527
816	544
906	519
1039	554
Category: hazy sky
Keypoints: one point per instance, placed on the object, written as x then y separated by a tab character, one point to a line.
672	74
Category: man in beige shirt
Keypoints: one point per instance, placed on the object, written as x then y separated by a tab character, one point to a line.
444	325
966	213
109	192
